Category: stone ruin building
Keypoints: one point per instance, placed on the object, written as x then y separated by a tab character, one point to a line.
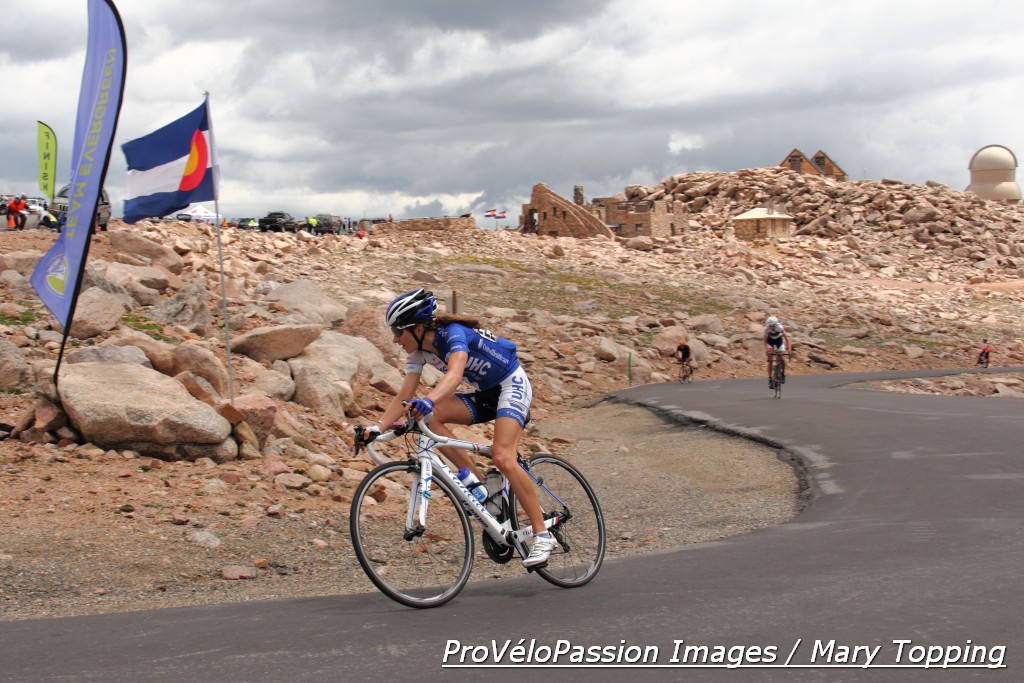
548	213
636	215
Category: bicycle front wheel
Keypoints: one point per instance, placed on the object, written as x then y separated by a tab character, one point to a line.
564	493
418	567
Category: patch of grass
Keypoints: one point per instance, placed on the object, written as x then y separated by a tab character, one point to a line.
25	317
497	262
147	326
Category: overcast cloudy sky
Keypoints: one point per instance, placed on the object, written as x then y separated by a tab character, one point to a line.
441	107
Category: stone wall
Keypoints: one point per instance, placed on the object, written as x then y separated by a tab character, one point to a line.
446	223
645	218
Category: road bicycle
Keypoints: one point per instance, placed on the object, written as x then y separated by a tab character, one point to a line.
410	519
983	359
778	377
685	373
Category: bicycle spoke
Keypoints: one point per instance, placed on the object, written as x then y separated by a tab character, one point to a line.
580	532
422	567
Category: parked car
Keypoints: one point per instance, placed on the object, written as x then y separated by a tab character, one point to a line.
278	221
183	217
60	204
327	223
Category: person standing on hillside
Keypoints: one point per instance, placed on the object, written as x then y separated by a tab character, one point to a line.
457	346
984	353
18	210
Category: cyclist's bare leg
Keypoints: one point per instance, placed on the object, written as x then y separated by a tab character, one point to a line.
770	354
507	433
452	410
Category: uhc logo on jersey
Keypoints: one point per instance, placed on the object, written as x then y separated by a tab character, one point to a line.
477	366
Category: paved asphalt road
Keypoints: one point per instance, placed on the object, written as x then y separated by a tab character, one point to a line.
913	549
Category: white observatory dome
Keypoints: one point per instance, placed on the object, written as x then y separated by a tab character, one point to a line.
993	158
993	174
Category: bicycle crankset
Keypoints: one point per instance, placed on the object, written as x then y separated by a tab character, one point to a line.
499	553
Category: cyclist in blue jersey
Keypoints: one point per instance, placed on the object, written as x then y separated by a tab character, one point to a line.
457	346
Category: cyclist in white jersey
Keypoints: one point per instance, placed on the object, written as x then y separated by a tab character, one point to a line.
464	353
775	339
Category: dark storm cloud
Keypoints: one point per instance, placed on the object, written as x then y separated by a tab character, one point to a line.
451	106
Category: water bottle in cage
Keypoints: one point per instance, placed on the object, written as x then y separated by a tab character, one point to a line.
475	486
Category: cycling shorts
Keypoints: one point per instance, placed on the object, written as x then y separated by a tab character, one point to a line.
778	343
509	398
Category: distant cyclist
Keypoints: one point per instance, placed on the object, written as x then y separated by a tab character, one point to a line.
685	358
776	341
984	353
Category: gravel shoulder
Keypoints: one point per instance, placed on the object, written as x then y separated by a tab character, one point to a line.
109	535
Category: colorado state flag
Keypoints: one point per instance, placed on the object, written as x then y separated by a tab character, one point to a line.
489	213
171	167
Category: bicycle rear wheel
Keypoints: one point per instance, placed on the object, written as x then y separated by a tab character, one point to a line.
564	493
420	567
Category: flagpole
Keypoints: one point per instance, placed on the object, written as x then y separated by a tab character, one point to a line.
220	251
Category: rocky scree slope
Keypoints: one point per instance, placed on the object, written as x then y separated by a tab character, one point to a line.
865	289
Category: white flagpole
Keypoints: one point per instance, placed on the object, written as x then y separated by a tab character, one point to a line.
220	252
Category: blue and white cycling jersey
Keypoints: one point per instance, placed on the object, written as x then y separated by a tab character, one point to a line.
491	359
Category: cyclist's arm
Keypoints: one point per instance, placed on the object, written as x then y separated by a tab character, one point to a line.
446	386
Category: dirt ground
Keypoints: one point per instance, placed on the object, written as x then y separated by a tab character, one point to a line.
93	532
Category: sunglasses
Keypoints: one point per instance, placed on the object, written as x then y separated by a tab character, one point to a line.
397	331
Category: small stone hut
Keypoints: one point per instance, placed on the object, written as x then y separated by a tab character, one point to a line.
762	224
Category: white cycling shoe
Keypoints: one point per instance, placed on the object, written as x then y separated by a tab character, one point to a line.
541	550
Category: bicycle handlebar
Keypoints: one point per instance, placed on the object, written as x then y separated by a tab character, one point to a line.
396	431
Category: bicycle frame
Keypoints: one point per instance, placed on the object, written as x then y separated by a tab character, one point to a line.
430	463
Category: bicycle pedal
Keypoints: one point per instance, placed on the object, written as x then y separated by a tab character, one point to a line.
530	570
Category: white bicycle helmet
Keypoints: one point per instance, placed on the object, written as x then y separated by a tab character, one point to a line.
417	306
772	321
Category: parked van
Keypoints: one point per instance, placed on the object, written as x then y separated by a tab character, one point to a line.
60	203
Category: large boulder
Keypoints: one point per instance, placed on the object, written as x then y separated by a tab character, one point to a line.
14	369
123	406
154	253
97	312
187	309
308	303
280	342
324	373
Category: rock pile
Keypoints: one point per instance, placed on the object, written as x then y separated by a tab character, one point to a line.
943	226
